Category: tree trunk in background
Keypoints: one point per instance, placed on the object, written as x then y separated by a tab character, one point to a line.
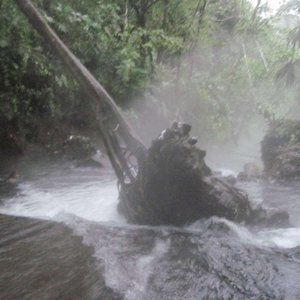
126	14
254	15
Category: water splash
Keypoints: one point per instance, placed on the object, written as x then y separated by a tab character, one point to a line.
76	192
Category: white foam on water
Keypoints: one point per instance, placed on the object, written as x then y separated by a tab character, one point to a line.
143	270
285	238
126	270
227	172
95	201
81	194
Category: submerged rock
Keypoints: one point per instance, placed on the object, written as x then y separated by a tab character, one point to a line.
174	186
281	150
269	218
230	179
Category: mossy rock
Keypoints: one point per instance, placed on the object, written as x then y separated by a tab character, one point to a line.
280	151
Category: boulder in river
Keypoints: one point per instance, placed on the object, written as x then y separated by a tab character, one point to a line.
286	164
82	150
8	184
281	150
251	172
174	186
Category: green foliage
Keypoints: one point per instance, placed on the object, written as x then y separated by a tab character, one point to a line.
212	63
225	78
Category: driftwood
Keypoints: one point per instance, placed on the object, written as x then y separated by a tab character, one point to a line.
175	186
172	184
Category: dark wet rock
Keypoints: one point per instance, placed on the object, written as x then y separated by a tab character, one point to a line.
10	143
207	260
82	150
287	163
281	150
11	179
251	172
8	184
175	186
277	218
229	179
78	147
45	260
269	218
11	147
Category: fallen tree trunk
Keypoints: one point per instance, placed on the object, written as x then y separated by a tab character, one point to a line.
173	185
94	90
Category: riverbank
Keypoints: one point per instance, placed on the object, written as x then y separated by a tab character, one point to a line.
46	139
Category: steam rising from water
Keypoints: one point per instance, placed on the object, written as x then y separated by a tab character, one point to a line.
92	195
82	193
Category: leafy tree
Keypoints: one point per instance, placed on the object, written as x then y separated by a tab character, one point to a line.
211	63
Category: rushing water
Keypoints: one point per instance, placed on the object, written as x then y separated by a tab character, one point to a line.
74	245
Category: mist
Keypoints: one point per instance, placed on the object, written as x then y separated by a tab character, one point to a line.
229	114
149	149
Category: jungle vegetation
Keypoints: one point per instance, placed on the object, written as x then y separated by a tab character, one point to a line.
215	63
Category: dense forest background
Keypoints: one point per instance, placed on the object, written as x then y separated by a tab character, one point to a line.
219	64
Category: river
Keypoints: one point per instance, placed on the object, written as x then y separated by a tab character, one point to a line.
61	237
